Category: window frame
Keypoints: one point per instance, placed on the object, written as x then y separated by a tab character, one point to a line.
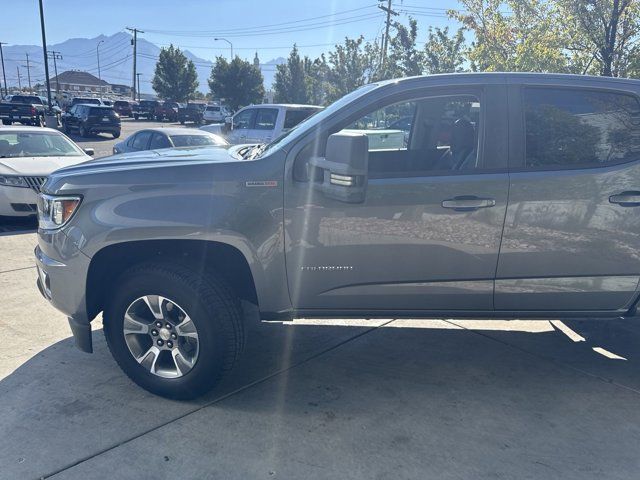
161	135
264	109
480	91
518	128
139	134
251	122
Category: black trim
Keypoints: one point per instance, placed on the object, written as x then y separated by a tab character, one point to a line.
81	334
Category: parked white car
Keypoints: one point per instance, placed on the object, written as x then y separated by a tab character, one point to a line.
215	114
262	123
27	156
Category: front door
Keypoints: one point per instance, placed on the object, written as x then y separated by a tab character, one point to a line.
427	235
571	235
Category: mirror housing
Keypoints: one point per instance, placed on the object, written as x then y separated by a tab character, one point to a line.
89	151
342	173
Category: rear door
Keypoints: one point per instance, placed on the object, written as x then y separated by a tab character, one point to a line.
571	238
264	125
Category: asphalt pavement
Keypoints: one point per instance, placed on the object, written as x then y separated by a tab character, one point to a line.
347	399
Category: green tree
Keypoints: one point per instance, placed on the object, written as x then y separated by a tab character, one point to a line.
317	79
239	82
403	58
603	31
530	37
444	53
350	67
175	76
290	82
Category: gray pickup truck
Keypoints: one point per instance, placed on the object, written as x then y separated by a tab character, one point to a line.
25	109
513	196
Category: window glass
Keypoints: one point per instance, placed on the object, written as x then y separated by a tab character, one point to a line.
196	140
567	128
244	119
435	135
294	117
141	141
159	141
266	118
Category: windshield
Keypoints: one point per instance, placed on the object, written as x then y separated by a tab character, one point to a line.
197	140
290	135
36	144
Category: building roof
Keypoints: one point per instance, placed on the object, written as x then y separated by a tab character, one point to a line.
75	77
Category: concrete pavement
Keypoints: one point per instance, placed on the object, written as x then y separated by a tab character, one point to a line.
335	399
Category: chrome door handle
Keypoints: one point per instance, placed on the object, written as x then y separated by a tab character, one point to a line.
626	199
468	203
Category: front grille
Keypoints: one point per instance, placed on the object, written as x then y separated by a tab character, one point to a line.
24	207
35	183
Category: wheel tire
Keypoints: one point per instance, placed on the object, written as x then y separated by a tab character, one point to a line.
66	129
181	122
40	123
136	116
116	134
7	122
83	132
206	299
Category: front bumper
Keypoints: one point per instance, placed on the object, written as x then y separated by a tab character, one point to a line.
17	201
62	272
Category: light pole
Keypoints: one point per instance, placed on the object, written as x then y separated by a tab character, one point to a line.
99	76
230	44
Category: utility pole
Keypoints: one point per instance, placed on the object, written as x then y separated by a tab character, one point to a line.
28	70
19	82
46	61
99	76
138	75
55	56
134	42
4	73
385	40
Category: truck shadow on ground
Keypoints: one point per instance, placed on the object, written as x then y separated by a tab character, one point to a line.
422	385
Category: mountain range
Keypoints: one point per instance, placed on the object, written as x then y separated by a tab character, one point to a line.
116	61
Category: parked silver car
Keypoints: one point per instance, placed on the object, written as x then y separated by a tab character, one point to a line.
155	138
514	196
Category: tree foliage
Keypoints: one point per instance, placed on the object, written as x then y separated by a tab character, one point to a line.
444	53
239	82
290	80
175	75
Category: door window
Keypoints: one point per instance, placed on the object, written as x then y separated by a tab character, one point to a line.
141	141
159	141
428	136
266	119
244	119
580	128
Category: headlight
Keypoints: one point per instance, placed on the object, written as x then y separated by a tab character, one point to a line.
12	181
54	212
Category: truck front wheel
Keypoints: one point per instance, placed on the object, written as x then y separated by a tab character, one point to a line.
172	331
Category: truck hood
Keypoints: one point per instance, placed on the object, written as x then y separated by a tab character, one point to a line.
153	158
37	166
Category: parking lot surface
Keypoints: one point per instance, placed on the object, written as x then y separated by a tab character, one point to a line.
353	399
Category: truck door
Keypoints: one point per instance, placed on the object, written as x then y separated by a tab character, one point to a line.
571	236
427	234
242	124
264	126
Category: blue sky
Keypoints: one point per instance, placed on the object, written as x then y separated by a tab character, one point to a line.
249	24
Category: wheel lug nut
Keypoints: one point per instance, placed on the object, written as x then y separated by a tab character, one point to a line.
154	333
170	344
159	324
174	336
168	326
160	343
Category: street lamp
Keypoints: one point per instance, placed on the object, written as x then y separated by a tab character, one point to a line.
230	44
99	77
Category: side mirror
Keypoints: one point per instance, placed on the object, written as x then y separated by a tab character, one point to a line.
89	151
342	173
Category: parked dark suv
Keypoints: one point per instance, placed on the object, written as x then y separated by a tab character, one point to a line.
123	108
91	120
511	196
